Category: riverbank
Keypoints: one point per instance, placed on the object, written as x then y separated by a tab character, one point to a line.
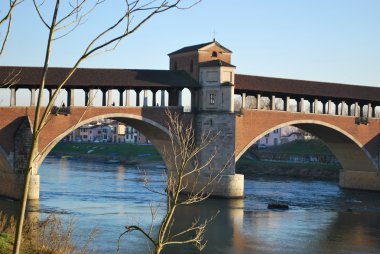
316	171
306	159
127	154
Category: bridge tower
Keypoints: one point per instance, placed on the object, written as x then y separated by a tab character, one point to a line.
213	105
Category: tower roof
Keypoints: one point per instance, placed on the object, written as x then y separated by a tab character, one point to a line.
198	47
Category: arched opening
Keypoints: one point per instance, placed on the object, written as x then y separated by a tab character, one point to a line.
106	190
350	154
155	132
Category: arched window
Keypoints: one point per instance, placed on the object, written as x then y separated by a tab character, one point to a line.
191	66
214	54
175	66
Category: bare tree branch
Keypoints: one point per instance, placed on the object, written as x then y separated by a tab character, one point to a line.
7	18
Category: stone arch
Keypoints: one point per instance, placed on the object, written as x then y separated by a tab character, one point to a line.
155	132
352	154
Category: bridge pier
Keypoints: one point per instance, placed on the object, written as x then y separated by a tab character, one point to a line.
362	180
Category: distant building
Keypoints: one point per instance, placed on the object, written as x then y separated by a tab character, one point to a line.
107	131
282	136
271	139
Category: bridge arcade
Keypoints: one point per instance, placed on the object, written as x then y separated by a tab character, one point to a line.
345	117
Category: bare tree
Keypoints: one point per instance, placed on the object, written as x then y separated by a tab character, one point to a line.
61	19
185	171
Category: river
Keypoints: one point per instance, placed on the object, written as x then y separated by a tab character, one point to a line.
322	217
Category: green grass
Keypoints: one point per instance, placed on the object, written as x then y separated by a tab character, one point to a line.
131	151
244	162
300	147
5	245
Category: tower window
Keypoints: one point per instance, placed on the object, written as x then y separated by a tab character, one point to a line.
214	54
191	66
175	66
212	98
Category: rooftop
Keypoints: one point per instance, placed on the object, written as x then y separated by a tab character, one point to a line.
29	77
312	89
198	47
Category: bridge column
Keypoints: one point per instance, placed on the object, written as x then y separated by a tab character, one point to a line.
342	106
301	106
315	106
216	116
349	104
23	141
361	110
374	115
88	97
127	98
356	109
258	101
13	97
273	103
70	97
32	97
243	100
145	102
163	98
287	104
121	98
329	107
109	98
369	111
362	180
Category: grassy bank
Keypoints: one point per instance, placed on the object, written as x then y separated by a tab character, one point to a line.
129	152
51	236
263	161
288	169
302	147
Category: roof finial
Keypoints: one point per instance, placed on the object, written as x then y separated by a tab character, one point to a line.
214	35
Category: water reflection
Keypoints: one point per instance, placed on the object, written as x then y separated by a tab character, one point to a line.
110	196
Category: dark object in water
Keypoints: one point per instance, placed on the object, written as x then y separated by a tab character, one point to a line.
278	206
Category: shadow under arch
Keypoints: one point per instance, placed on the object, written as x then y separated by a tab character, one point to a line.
5	164
155	132
351	154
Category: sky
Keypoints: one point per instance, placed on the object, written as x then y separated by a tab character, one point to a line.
325	40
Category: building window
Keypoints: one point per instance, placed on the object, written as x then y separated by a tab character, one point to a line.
212	98
175	66
214	54
191	66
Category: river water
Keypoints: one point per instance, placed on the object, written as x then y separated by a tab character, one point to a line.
322	217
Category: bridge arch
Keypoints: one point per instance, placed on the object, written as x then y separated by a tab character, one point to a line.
349	151
155	132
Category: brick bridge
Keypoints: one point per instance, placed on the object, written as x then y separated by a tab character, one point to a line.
344	117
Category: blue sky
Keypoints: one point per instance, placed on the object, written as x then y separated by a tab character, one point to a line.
324	40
